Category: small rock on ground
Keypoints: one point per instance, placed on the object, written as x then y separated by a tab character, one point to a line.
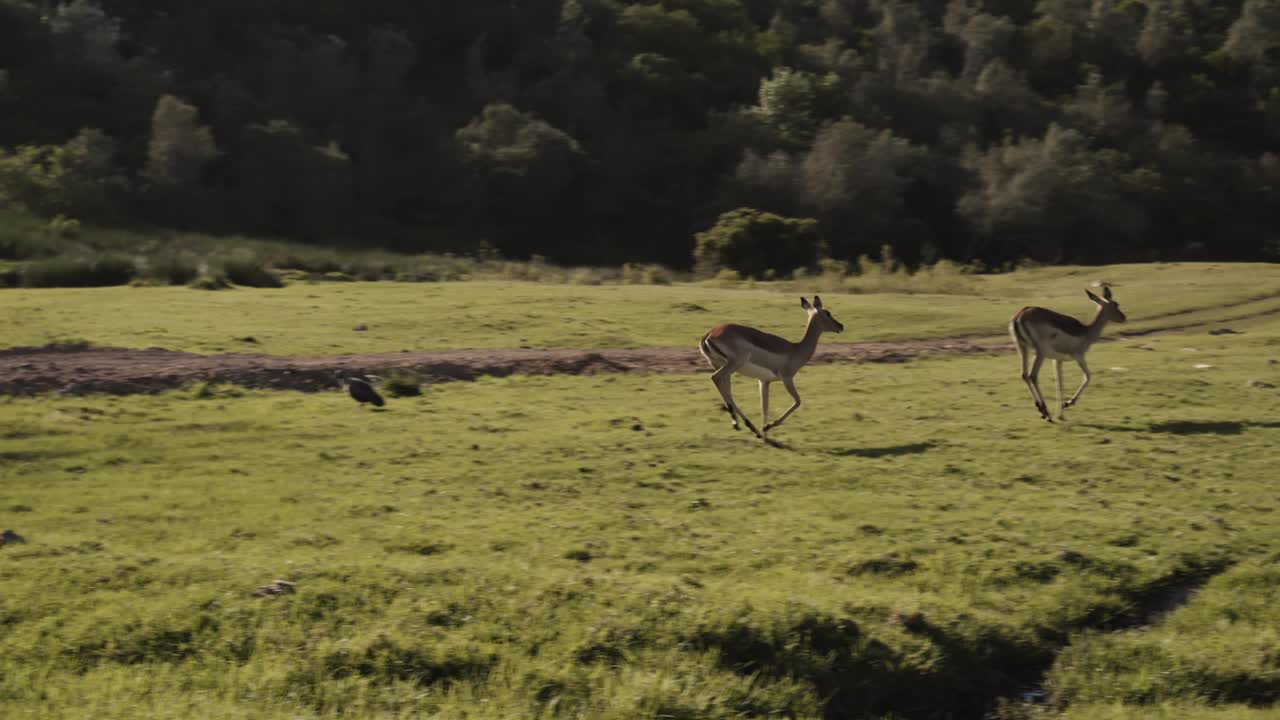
275	587
9	537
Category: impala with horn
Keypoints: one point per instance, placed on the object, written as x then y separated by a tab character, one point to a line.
767	358
1058	337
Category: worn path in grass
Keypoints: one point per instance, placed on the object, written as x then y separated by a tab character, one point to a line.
76	369
101	340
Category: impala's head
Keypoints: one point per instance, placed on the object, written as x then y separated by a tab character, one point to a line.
1109	307
817	314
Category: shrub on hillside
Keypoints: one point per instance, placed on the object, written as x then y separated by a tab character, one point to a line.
754	243
645	274
79	272
80	177
173	269
61	226
18	244
210	281
370	271
318	262
250	273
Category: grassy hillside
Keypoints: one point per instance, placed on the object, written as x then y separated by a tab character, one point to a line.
318	318
607	547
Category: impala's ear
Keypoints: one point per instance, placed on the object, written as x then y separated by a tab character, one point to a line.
804	303
1093	297
817	302
1106	292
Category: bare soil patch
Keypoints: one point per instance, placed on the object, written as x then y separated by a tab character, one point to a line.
79	369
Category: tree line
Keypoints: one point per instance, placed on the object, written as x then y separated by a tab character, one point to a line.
603	131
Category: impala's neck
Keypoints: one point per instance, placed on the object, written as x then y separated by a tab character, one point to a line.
809	343
1096	325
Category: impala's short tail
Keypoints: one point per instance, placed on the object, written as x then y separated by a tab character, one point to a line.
1019	334
711	352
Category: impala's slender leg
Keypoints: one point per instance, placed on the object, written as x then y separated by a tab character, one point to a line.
1026	378
764	406
790	385
1057	373
1034	382
1083	383
723	383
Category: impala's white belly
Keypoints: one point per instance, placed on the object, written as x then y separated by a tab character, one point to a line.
758	372
760	365
1059	346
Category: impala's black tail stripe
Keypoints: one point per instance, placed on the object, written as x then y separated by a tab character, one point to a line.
706	341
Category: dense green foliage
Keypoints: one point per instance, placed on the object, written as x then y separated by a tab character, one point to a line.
603	131
758	244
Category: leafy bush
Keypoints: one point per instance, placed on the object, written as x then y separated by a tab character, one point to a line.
645	274
15	244
250	273
369	271
173	269
754	243
80	177
79	272
62	226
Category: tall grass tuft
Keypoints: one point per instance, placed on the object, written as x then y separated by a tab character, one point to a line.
401	383
886	275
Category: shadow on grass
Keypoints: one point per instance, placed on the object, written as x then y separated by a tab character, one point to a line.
1190	427
890	451
19	456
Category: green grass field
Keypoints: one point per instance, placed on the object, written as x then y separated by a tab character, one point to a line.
607	547
318	318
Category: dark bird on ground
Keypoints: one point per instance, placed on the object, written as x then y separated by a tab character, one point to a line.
361	388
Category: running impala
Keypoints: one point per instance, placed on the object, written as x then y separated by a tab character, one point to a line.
739	349
1059	338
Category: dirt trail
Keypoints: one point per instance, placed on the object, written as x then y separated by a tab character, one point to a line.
78	370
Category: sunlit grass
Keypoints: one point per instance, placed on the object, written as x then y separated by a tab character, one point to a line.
608	547
322	318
